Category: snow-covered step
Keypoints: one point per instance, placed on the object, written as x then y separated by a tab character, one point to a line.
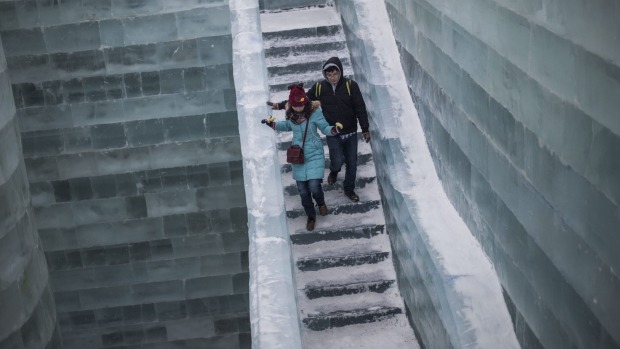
311	17
281	56
307	65
316	263
352	207
280	84
357	232
298	225
322	305
377	286
345	275
378	242
325	321
394	332
282	37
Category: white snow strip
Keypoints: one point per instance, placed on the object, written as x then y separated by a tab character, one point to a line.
383	270
283	20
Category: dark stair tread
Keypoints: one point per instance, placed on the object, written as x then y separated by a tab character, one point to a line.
279	87
357	232
325	321
348	208
377	286
297	68
324	262
303	49
301	33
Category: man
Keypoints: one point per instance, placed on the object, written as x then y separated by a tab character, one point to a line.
341	101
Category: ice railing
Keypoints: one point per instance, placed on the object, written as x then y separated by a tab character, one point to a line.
273	305
432	242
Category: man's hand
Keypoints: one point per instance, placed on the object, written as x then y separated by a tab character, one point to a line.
316	104
366	136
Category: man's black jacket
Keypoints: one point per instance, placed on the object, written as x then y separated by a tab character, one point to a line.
344	105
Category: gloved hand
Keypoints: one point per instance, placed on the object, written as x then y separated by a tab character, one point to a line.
277	106
270	121
366	136
273	106
336	129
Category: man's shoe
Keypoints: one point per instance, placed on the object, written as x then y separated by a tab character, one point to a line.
331	179
352	196
323	210
310	223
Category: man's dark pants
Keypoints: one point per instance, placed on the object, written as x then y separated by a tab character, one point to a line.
343	151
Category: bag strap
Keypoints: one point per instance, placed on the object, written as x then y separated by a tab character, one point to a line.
306	131
317	88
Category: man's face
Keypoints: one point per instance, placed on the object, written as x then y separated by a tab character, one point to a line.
332	76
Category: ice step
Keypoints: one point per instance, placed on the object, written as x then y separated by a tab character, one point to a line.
322	32
353	207
357	232
274	55
378	286
292	70
325	321
324	262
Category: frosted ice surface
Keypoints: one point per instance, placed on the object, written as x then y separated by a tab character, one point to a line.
273	306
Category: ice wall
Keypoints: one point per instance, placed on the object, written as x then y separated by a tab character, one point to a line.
27	312
129	130
520	109
452	291
273	293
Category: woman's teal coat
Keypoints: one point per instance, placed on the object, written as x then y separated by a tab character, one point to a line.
314	156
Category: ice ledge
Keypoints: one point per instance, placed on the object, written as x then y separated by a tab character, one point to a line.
273	305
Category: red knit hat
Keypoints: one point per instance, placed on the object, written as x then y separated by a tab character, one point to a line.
297	96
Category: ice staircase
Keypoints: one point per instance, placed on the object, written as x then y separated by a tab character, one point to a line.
347	291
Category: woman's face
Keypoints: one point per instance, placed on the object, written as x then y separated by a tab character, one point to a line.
298	109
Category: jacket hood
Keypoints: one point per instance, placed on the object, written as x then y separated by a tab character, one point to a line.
334	61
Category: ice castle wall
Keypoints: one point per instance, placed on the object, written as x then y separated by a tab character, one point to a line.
130	143
520	109
28	315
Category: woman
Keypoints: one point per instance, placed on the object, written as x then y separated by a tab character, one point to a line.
308	175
